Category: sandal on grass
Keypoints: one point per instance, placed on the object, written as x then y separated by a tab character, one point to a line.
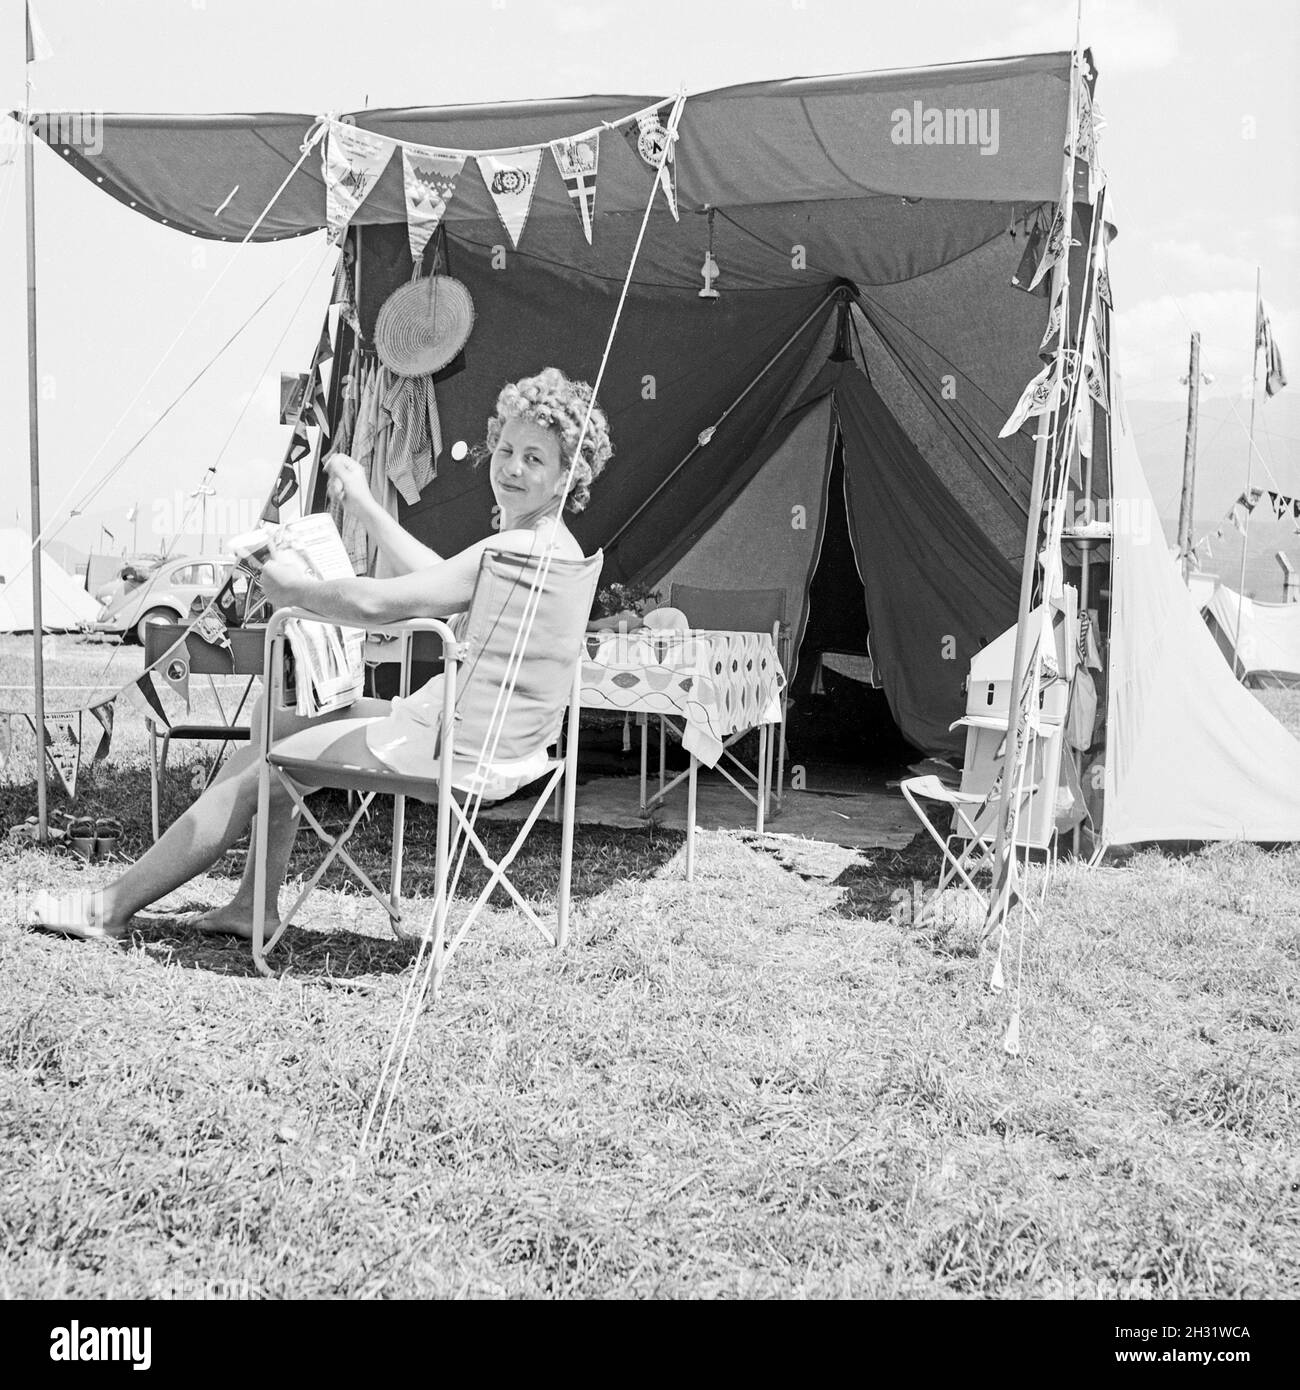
68	914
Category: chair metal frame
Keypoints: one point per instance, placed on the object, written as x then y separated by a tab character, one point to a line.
442	789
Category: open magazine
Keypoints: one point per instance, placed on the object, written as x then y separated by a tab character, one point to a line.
327	660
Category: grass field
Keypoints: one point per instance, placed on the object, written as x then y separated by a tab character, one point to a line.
757	1084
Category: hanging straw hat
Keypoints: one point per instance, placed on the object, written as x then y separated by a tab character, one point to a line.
423	325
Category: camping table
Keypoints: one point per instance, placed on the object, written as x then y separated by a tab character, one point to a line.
710	685
244	657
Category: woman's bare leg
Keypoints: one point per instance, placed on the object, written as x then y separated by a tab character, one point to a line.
192	844
199	837
236	917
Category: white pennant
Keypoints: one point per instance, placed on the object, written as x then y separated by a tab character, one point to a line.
429	176
511	179
1042	393
352	161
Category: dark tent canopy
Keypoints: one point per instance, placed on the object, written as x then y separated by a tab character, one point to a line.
828	229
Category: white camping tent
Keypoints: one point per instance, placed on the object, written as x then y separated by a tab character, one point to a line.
65	605
1269	649
1191	753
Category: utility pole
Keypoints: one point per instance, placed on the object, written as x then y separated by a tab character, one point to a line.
1185	505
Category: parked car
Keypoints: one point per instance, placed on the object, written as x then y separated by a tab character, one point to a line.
129	575
165	596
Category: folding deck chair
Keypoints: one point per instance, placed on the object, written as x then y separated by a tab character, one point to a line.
486	745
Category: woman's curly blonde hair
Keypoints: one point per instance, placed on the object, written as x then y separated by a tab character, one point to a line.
551	400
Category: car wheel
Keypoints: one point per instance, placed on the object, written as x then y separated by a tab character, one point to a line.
154	615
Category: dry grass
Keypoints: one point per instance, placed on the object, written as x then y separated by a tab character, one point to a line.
756	1085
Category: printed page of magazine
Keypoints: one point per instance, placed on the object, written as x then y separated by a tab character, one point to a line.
327	659
329	656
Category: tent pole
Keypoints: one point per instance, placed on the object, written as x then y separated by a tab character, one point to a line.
1003	852
772	361
1250	459
34	461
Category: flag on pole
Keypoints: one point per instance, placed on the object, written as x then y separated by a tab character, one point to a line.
1274	376
38	46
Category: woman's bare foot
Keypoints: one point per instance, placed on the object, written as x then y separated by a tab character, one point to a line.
235	919
87	916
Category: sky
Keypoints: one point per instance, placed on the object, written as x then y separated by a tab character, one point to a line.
1202	147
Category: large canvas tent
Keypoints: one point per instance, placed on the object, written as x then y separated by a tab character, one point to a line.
866	231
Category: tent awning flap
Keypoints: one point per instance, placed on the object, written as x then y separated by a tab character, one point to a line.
782	142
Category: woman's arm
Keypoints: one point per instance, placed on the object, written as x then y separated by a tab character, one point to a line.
437	591
348	484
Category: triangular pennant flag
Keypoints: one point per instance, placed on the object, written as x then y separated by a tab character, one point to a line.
1042	393
325	348
175	670
1093	371
649	138
63	748
1029	260
352	161
1218	535
1056	244
344	295
1239	515
320	413
430	179
1053	328
142	696
286	485
577	159
210	627
1083	425
511	180
299	444
103	713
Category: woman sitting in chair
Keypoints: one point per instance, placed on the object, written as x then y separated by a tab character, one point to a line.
531	441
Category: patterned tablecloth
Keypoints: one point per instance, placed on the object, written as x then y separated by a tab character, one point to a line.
718	683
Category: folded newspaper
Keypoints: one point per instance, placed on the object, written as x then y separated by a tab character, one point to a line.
328	668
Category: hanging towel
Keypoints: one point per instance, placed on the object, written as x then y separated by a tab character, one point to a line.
415	440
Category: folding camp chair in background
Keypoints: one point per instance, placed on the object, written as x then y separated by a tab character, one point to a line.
738	610
475	726
974	807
